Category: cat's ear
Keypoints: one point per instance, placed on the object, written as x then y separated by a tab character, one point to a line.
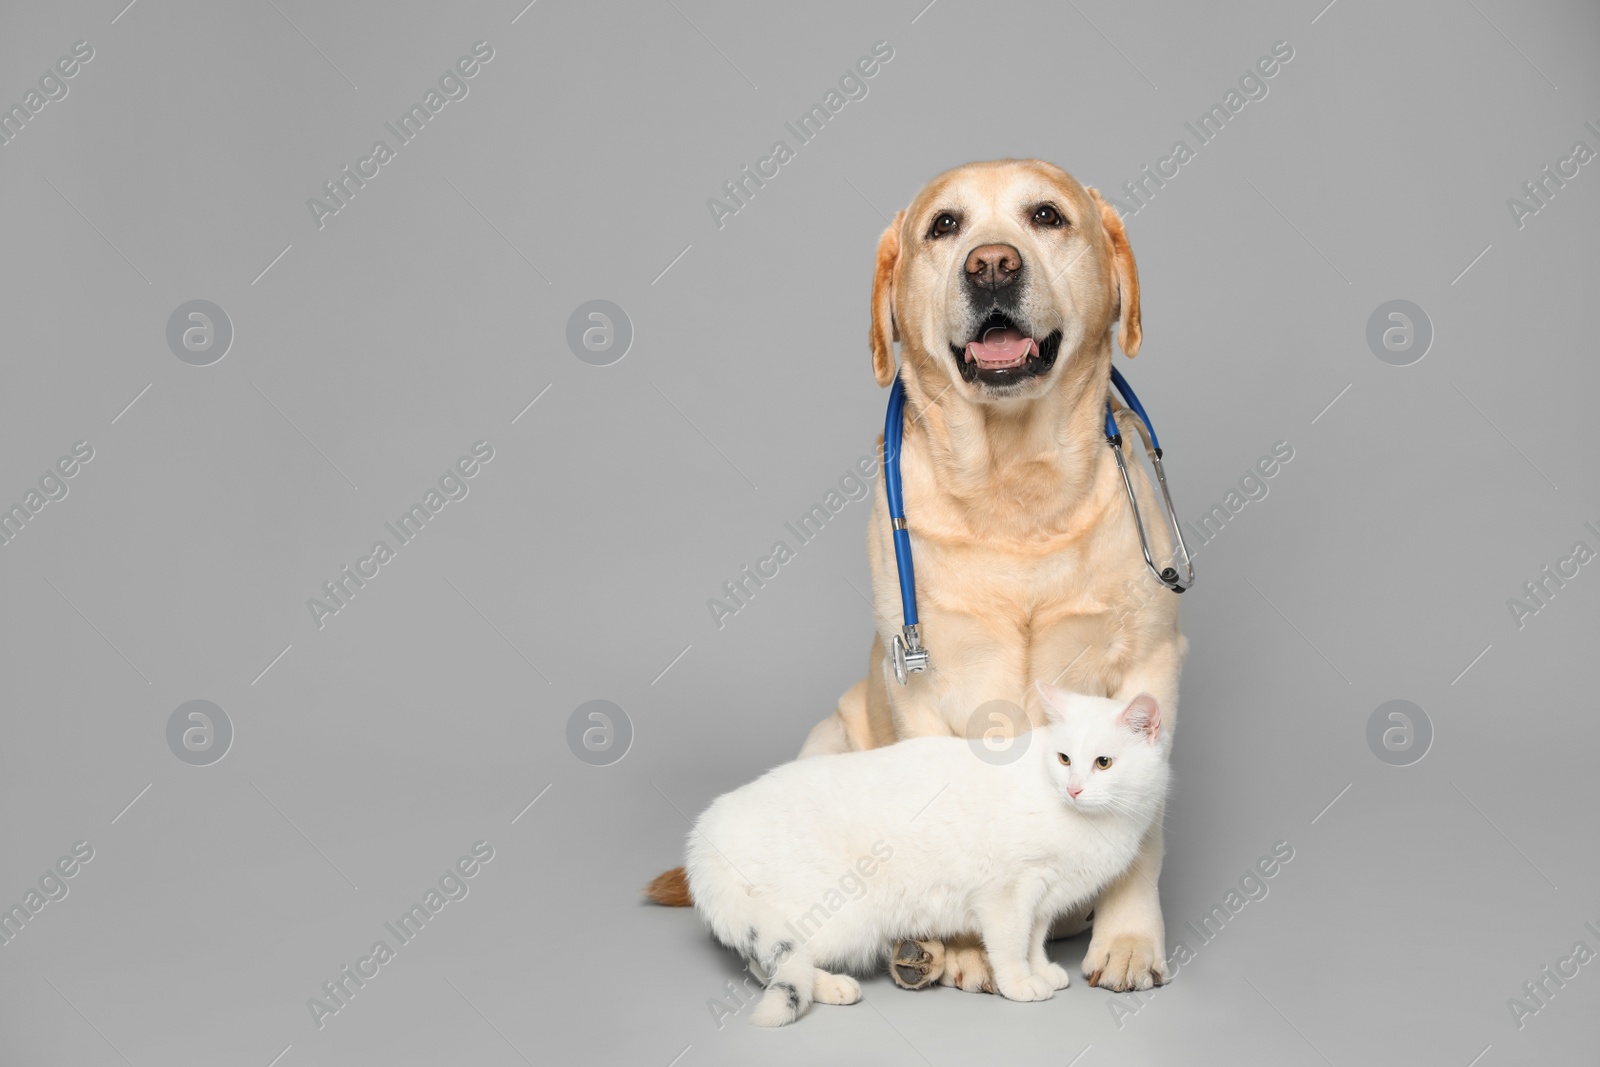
1054	701
1142	716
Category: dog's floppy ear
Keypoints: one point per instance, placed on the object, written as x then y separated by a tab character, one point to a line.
884	332
1127	272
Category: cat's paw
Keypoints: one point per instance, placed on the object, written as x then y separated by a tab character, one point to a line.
916	964
966	966
1121	962
836	989
1057	974
1028	987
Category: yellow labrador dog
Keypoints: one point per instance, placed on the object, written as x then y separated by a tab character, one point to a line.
1002	282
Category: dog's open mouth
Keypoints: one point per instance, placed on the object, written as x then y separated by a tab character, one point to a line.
1001	354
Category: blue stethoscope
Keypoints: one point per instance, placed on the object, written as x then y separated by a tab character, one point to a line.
909	653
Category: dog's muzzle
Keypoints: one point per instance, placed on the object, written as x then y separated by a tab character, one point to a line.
1002	353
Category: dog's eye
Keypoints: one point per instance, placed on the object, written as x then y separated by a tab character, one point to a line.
943	224
1066	760
1103	762
1047	215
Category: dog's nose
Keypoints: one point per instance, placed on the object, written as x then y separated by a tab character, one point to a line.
993	266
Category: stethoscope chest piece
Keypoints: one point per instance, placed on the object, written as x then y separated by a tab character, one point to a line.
908	654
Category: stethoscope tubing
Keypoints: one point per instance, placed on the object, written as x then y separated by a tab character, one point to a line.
908	654
893	432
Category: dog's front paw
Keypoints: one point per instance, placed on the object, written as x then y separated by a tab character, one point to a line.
966	966
916	964
1028	987
1120	962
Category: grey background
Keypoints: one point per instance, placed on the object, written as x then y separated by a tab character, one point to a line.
427	314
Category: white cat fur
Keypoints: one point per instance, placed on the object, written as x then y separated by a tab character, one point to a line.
821	864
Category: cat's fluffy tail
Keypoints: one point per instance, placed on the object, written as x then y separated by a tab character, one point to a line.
791	984
746	923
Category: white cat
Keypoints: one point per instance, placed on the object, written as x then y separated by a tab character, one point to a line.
823	863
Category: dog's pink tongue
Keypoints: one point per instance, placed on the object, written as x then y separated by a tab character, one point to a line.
1000	346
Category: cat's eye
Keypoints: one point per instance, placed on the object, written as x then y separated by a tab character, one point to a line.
1066	760
1103	762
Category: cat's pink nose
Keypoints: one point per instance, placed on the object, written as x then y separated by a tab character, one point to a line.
1074	790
